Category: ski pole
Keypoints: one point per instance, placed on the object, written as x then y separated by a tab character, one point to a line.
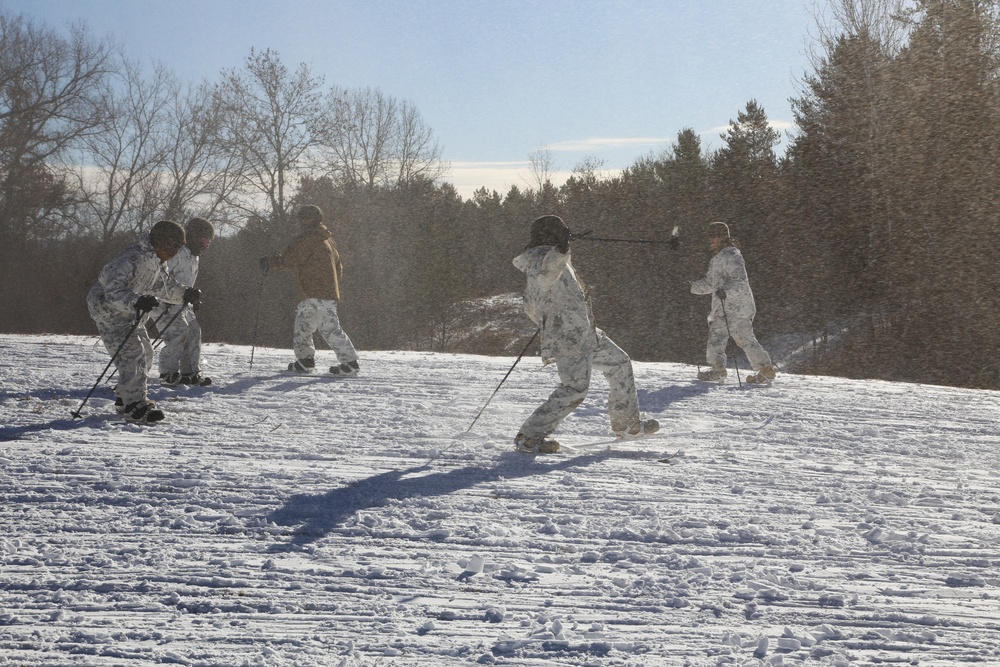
533	337
138	319
674	241
156	325
156	322
726	318
159	331
256	321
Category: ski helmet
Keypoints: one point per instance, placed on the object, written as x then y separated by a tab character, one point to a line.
548	230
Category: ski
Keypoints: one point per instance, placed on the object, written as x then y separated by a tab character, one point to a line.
672	458
730	385
664	434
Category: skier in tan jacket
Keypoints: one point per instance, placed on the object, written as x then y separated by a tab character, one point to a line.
314	257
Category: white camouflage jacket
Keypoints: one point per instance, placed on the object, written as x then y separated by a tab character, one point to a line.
554	300
183	267
728	271
133	273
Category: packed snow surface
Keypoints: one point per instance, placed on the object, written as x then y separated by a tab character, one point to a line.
278	519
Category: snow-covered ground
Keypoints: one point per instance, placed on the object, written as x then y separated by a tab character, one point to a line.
275	519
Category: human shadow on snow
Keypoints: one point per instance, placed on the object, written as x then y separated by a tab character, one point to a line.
319	514
9	433
651	401
97	411
658	400
240	383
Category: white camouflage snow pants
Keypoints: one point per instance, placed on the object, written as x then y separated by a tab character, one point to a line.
181	341
742	330
132	361
574	378
320	315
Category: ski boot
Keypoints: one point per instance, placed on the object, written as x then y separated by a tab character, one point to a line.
350	368
764	376
143	412
195	379
713	375
171	378
644	427
538	444
302	365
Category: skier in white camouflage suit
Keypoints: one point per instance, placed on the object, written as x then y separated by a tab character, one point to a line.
180	358
128	287
555	300
313	255
733	309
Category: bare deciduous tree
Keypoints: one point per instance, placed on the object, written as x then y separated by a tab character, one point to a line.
271	117
541	167
587	170
201	172
49	99
372	139
121	178
883	22
419	155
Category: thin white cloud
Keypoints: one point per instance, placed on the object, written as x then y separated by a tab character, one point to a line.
598	144
779	125
467	177
490	164
500	175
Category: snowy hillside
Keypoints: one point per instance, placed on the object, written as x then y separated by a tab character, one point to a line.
279	520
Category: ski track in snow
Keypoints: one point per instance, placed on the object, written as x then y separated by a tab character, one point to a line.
278	519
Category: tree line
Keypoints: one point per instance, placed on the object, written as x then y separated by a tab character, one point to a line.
867	241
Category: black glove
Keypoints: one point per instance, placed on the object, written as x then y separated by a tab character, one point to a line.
192	295
562	237
721	293
146	303
265	264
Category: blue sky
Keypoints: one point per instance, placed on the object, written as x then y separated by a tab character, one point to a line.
498	79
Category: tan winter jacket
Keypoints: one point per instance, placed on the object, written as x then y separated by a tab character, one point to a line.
314	256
